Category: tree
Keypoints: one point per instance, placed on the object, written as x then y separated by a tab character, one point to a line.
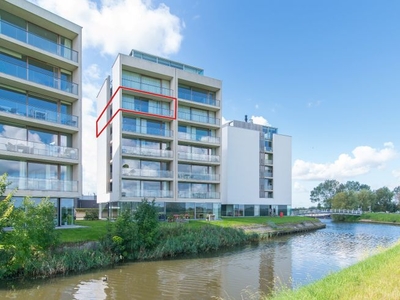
324	192
345	200
147	221
366	198
383	200
355	186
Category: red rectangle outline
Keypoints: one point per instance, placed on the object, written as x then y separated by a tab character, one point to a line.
132	111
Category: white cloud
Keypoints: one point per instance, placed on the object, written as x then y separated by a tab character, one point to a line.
117	26
396	173
299	188
363	160
260	121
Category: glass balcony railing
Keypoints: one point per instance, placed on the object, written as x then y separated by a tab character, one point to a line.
26	183
146	151
37	113
42	78
194	176
150	109
198	138
27	147
268	161
198	157
37	41
198	118
267	174
148	193
146	173
155	89
147	130
198	97
198	195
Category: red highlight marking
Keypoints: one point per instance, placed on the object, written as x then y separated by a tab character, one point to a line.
132	111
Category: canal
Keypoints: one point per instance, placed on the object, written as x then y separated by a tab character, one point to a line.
239	273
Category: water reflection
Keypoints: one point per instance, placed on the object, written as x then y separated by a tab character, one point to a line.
239	273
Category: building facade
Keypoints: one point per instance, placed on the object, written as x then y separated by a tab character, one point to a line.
256	170
159	137
40	106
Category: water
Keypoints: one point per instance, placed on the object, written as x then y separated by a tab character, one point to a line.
233	274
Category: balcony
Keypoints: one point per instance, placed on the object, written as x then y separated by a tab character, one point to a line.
38	184
267	174
198	177
198	118
24	36
198	138
148	194
27	147
19	109
150	109
147	152
198	157
147	130
203	98
155	89
268	161
146	173
198	195
30	74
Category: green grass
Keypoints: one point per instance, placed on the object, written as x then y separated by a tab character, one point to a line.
93	231
382	217
377	277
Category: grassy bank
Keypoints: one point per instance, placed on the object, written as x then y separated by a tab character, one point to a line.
386	218
95	230
377	277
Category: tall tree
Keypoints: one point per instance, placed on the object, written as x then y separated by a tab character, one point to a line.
366	199
355	186
383	201
324	192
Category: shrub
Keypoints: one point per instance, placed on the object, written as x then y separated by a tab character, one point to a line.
91	214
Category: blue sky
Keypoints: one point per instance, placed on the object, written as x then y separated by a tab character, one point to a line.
324	72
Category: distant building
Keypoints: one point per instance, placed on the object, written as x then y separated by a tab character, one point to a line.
159	137
256	170
40	105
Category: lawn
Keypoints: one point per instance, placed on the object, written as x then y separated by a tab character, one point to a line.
381	217
95	230
377	277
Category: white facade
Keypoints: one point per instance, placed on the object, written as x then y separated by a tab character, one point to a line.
159	137
40	105
256	164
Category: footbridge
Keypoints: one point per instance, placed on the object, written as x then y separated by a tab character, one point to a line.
326	213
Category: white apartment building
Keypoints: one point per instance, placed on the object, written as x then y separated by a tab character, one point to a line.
159	137
256	170
40	105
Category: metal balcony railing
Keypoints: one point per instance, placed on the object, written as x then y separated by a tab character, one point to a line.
37	113
198	138
198	157
146	173
30	74
147	130
198	118
198	177
151	109
32	39
155	89
148	193
146	151
26	183
27	147
199	195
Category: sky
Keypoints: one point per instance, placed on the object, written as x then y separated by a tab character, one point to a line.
326	73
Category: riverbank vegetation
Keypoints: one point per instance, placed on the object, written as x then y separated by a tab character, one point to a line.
353	195
386	218
377	277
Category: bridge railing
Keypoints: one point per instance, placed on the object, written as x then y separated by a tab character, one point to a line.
327	211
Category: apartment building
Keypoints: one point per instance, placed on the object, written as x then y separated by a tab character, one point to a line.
40	106
256	168
158	132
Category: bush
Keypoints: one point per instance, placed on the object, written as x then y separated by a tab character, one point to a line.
91	214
